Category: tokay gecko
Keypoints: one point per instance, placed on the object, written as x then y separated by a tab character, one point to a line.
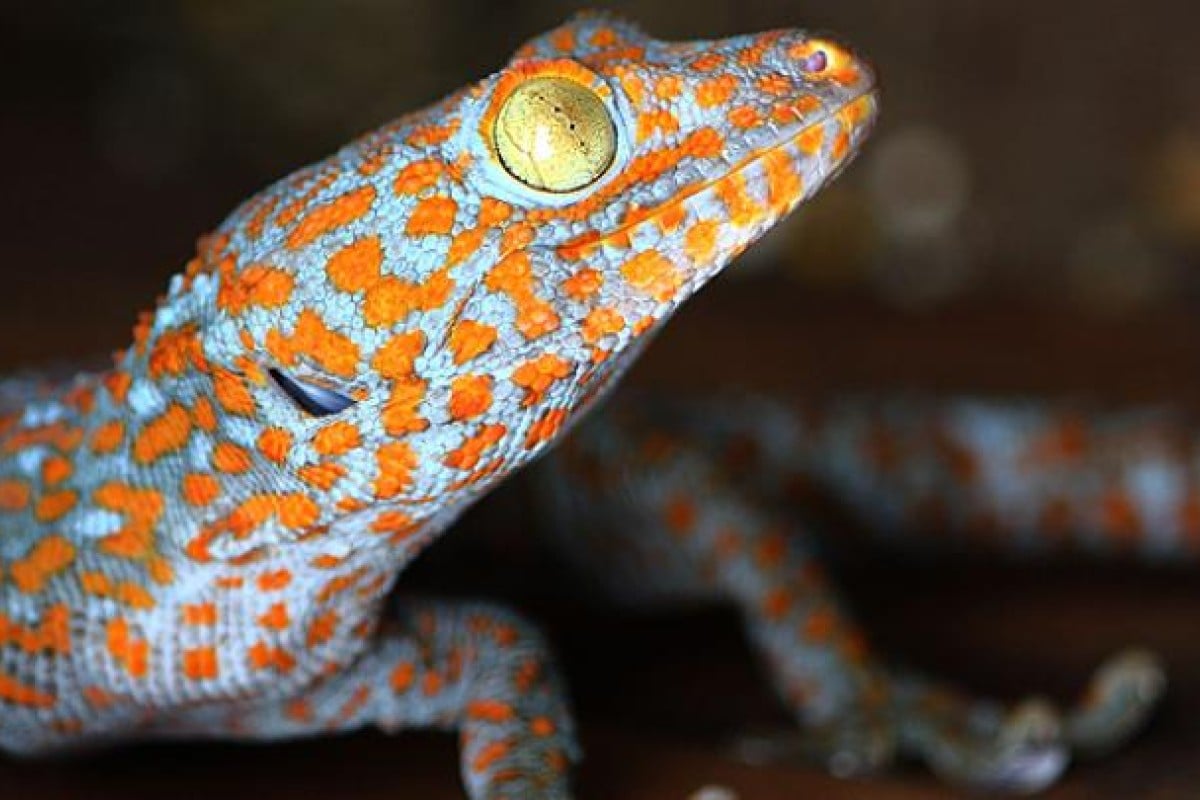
202	540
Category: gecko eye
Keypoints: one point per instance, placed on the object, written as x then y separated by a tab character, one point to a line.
554	134
316	400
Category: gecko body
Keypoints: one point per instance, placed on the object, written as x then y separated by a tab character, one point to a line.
199	540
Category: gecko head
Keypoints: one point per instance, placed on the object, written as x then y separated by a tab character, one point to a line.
384	335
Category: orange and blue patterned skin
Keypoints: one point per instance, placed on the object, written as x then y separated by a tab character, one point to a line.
199	541
661	500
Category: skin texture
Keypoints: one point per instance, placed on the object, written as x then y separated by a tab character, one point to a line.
186	549
661	501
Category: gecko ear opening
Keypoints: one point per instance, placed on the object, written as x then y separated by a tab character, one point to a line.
313	399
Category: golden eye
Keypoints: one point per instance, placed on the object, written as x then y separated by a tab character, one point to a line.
554	134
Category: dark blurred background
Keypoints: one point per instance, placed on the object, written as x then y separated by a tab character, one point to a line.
1026	220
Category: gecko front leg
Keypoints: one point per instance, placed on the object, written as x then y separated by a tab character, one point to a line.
471	667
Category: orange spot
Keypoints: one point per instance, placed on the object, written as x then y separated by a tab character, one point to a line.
464	245
489	754
784	185
129	653
517	237
680	515
470	396
108	437
322	628
62	437
775	83
514	277
200	663
331	350
1120	514
263	656
810	140
356	266
258	285
707	62
604	36
820	625
668	87
776	604
331	216
397	523
275	580
745	117
492	212
563	40
276	617
392	299
200	489
402	677
13	691
427	135
394	360
418	176
203	415
741	208
401	412
14	495
469	339
466	456
134	595
652	273
49	557
232	394
274	444
583	284
199	614
658	120
542	726
321	476
162	435
432	215
545	427
336	439
396	461
231	459
700	241
490	711
174	352
141	509
52	634
715	91
538	375
602	322
841	145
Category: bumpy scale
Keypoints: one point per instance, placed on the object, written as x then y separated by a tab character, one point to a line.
198	541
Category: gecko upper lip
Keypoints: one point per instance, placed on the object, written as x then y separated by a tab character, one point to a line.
754	156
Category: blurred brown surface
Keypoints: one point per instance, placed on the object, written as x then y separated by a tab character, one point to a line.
135	127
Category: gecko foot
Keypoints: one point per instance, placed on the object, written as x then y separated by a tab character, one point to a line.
1118	702
1021	752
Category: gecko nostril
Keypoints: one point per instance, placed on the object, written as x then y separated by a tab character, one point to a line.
817	61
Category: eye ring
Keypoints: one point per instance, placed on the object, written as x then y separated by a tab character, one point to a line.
554	134
313	399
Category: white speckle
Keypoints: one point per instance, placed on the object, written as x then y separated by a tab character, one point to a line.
714	792
145	399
